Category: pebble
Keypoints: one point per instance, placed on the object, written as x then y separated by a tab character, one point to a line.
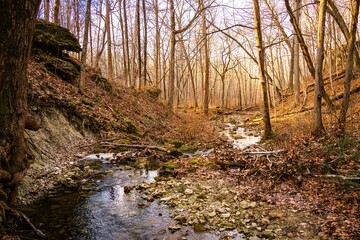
265	221
188	191
254	238
174	227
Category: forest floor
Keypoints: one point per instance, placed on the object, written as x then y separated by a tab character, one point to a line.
290	187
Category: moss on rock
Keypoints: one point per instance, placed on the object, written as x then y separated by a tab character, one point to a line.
101	81
54	38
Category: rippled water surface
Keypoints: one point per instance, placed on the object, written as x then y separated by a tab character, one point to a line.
108	213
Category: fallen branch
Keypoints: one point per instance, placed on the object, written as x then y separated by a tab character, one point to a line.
114	145
339	176
27	220
264	152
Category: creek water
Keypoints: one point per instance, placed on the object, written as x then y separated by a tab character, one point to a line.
237	134
107	212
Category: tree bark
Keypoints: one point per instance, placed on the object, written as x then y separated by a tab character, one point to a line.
56	11
138	42
297	59
206	58
125	62
85	46
157	45
47	10
261	65
126	39
188	63
15	42
349	65
306	53
172	56
109	43
145	44
342	25
319	82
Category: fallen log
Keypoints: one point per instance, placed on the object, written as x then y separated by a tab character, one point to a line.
114	145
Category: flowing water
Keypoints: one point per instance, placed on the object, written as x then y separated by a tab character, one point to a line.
107	212
236	133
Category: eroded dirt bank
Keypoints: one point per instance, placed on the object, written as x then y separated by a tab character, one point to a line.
270	190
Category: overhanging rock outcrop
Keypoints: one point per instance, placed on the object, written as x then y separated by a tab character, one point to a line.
51	43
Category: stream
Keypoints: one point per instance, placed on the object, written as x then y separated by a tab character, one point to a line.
105	211
236	133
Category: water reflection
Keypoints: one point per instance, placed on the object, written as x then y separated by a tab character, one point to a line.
108	213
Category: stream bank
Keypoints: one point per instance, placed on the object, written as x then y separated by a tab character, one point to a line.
226	193
123	194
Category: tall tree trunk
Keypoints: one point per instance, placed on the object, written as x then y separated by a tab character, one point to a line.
157	45
275	18
109	43
188	63
342	25
145	43
206	58
126	39
77	21
291	69
68	13
297	59
47	10
84	47
306	53
56	11
100	44
349	65
318	124
125	62
16	29
261	65
222	77
172	56
138	41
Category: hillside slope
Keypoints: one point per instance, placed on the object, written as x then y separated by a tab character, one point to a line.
64	123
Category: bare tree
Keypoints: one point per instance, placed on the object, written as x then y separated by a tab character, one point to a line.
85	46
349	65
157	44
109	42
56	11
319	82
335	13
47	10
138	41
261	65
173	33
206	58
145	43
297	58
126	43
16	30
306	53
